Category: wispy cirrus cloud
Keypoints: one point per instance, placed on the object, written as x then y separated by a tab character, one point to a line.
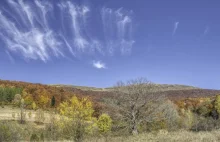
98	65
118	29
28	38
176	24
77	15
31	29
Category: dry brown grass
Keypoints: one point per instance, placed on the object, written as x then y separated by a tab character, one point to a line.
7	112
164	136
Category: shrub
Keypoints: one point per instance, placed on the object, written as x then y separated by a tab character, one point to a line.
34	138
29	114
205	108
2	104
33	105
153	126
217	103
17	99
204	124
187	119
12	131
53	129
104	123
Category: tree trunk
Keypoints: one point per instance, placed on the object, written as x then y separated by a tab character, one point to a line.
134	130
22	111
134	122
22	121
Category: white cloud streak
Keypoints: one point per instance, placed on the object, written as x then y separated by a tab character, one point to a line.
31	30
43	8
176	24
31	41
118	29
77	17
99	65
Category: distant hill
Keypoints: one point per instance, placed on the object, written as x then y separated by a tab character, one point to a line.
190	93
84	88
173	92
161	87
168	87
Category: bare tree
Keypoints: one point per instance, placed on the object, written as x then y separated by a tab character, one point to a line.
18	100
137	102
22	111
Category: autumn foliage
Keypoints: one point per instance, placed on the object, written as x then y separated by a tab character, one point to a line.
41	95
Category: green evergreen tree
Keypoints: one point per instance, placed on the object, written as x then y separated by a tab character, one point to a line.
53	101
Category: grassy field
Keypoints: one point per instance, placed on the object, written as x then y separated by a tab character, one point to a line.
7	112
159	136
164	136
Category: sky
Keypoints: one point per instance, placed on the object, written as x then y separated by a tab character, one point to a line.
99	42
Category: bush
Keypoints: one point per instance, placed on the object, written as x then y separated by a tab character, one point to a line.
2	104
217	103
153	126
104	123
188	119
53	131
204	124
33	106
205	108
17	100
66	129
34	138
29	114
10	131
204	111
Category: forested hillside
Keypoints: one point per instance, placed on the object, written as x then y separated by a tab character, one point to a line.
42	94
67	112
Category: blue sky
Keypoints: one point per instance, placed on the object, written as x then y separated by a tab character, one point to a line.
99	42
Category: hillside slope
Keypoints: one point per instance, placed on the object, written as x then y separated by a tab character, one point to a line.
171	91
161	87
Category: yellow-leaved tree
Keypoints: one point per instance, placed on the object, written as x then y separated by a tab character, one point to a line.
104	123
217	103
28	100
80	113
77	108
43	101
